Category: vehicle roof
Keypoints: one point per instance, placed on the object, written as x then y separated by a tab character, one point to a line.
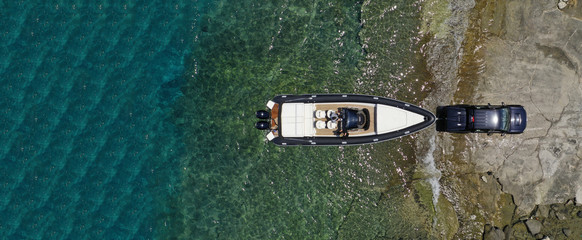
488	119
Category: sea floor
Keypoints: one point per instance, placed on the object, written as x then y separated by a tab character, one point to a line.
237	185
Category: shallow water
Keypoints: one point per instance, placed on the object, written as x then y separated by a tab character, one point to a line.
135	120
238	185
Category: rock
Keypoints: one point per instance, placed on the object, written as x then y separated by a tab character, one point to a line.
567	232
536	167
561	215
507	230
579	214
534	226
557	207
532	56
547	224
542	211
494	234
488	228
562	5
519	231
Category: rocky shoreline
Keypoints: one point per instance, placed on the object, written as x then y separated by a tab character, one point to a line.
529	53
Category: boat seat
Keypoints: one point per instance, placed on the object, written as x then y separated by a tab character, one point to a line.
320	124
331	114
331	124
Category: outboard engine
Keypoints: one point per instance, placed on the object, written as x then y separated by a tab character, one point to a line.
262	125
262	114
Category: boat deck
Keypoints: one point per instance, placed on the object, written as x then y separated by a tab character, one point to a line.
335	106
294	119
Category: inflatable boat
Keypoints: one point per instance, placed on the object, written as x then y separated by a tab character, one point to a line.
339	119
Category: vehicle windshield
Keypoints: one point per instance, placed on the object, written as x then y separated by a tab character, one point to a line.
504	119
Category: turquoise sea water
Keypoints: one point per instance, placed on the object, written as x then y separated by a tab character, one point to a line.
134	119
88	146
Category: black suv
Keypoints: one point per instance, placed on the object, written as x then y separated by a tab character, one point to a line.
489	119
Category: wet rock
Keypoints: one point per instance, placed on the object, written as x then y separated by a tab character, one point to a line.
505	211
534	226
547	224
567	232
494	234
507	230
519	231
579	214
488	228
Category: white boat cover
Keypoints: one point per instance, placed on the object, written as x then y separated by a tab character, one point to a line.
297	120
392	119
